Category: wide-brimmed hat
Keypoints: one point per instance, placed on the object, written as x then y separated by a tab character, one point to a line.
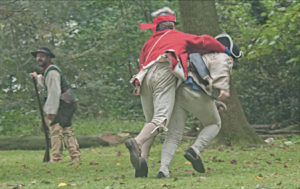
44	50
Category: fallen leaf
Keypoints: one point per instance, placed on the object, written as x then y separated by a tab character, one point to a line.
187	163
119	153
93	163
268	162
274	174
233	162
269	140
288	143
164	185
257	178
62	184
118	164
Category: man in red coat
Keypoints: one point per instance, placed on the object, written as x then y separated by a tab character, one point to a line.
156	82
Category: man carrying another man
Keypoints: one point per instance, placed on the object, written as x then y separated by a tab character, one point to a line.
165	52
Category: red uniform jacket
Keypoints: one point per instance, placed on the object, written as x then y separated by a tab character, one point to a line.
182	44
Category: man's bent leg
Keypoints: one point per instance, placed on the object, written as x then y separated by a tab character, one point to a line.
143	170
158	96
147	147
149	131
205	136
142	142
203	107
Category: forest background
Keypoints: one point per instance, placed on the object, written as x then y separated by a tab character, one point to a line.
97	45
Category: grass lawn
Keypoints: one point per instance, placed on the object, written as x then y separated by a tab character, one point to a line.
269	166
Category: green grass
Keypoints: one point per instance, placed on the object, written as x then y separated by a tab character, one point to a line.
267	166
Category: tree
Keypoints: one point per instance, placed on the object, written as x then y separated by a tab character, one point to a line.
200	17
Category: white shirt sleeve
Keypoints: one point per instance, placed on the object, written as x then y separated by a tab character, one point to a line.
40	80
53	92
220	66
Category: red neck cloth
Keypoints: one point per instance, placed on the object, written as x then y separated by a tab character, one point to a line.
157	20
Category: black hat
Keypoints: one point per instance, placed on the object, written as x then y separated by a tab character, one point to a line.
226	40
43	50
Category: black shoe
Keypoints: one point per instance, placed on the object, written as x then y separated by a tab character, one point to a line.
135	152
161	175
143	170
196	161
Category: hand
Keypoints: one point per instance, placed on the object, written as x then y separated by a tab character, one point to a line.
33	75
223	95
50	117
220	108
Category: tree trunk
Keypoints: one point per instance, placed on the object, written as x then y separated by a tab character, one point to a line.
38	142
200	17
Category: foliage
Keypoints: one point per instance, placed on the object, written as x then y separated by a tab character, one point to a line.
22	122
97	45
267	166
267	77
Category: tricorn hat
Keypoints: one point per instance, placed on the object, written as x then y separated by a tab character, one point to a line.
226	40
44	50
164	14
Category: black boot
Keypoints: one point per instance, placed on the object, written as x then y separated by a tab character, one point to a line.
196	161
143	170
135	152
161	175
